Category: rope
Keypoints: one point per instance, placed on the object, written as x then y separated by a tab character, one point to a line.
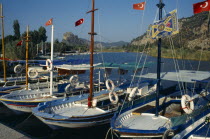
176	64
101	46
107	133
142	68
207	131
27	118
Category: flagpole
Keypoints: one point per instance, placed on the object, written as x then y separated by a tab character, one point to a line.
160	6
3	48
51	64
27	40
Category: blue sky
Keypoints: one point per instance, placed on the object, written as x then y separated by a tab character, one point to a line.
114	21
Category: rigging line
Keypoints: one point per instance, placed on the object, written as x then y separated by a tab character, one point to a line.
207	131
164	11
175	63
141	29
198	68
180	77
143	67
138	63
101	47
26	118
132	80
107	133
82	28
156	15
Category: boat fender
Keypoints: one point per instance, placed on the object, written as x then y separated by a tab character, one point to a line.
112	85
49	64
132	94
32	73
18	68
94	102
74	79
116	99
168	134
187	104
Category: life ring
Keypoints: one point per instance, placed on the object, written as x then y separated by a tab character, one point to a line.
115	100
112	84
32	73
190	106
18	68
132	94
49	64
74	79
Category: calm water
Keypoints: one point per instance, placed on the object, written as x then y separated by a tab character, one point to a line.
36	129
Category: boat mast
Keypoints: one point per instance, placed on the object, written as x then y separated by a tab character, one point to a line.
27	40
51	64
3	50
92	33
160	6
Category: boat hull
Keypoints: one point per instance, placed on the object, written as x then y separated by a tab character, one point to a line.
73	124
20	107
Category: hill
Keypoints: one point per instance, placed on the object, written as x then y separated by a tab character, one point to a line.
70	39
192	34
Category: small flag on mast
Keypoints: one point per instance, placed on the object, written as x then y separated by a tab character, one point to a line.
79	22
49	22
139	6
201	7
19	43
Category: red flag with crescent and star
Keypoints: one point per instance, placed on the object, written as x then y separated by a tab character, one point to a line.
201	7
139	6
49	22
19	43
79	22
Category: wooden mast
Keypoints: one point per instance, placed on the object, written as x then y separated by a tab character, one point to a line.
160	6
3	48
92	33
27	40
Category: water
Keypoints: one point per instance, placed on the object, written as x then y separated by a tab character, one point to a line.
30	125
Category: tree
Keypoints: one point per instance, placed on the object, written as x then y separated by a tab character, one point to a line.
42	34
16	28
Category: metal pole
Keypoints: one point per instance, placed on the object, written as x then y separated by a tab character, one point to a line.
27	40
160	6
3	48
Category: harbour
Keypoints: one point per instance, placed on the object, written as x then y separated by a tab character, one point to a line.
31	127
134	93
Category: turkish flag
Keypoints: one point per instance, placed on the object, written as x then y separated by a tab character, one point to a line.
19	43
79	22
139	6
49	22
201	7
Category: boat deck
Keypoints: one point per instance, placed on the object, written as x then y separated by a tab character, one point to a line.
137	118
138	122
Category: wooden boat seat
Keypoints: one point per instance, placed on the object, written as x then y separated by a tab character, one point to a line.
39	98
171	114
142	109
